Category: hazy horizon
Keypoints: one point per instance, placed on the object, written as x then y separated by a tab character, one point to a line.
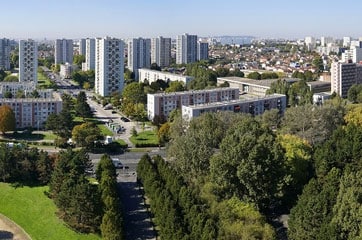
39	19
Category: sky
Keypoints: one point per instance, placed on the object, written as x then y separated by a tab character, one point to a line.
50	19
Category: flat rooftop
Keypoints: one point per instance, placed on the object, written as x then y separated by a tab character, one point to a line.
195	91
263	82
238	101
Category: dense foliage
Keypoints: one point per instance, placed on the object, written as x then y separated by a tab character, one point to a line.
19	163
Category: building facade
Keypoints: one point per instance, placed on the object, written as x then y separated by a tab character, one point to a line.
254	107
63	51
343	76
186	49
66	70
33	112
5	48
161	104
161	51
109	66
90	53
28	61
202	50
82	46
153	75
139	54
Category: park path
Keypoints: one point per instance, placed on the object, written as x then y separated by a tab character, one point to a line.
137	222
10	230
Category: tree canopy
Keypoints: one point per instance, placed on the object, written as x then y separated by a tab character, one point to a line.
7	119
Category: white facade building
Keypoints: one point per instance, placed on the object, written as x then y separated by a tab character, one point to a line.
186	48
325	41
5	48
109	66
256	106
346	41
343	76
161	104
202	50
161	51
90	53
310	43
66	70
63	51
153	75
139	54
354	55
28	61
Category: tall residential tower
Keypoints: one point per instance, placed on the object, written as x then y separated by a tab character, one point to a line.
90	51
186	48
5	54
161	51
109	66
63	51
139	54
28	61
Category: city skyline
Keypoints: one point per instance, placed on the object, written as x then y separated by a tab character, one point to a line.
39	19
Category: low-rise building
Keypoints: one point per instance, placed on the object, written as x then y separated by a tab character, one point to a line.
320	98
161	104
153	75
33	112
253	106
319	86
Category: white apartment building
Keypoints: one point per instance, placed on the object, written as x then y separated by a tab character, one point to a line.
5	48
90	53
310	42
346	41
139	54
354	55
28	61
33	112
202	50
109	66
161	104
66	70
63	51
186	48
153	75
161	51
325	41
343	76
254	106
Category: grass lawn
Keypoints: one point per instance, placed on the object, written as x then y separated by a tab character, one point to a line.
145	138
122	142
105	130
35	136
43	81
35	213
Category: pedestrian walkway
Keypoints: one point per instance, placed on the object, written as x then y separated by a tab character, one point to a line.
137	222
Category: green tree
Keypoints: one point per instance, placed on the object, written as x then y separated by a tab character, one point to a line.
237	73
318	63
347	211
249	164
78	60
8	94
222	71
11	78
254	75
163	133
300	94
7	119
132	94
154	66
175	87
2	75
311	217
86	135
82	107
7	163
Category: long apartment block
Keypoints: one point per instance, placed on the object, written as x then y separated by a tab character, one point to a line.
33	112
161	104
253	106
